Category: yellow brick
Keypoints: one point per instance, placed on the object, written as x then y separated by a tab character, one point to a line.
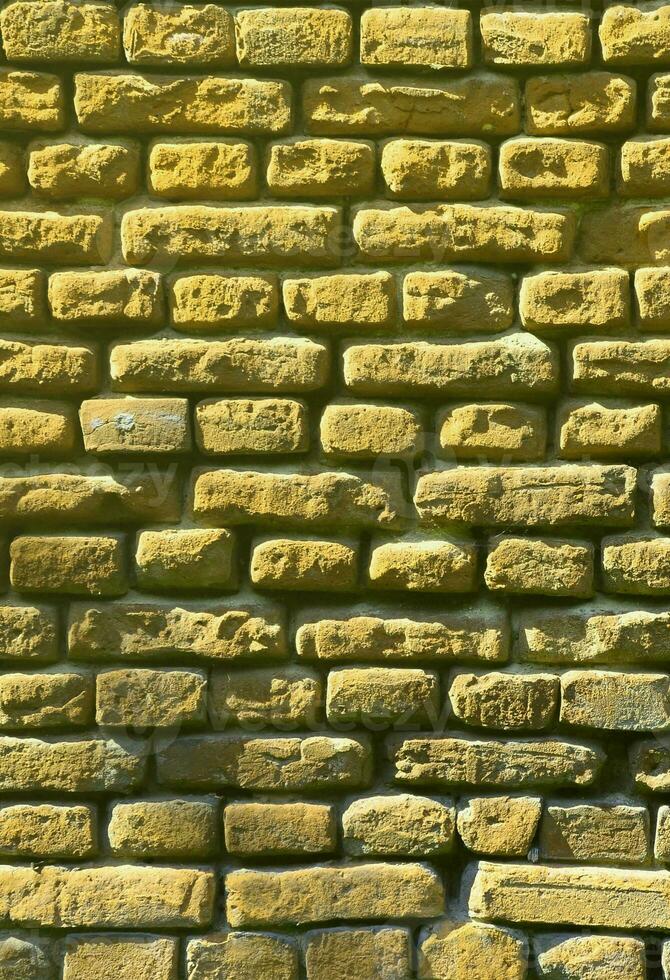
31	101
22	298
598	834
183	560
475	106
459	299
645	167
367	431
621	367
609	430
12	176
45	701
506	702
658	103
457	950
251	425
184	829
520	38
213	302
606	954
500	825
424	566
273	829
68	565
492	431
140	698
131	297
651	291
112	103
194	36
69	170
47	368
28	633
37	428
57	30
554	168
398	826
221	171
47	831
636	564
382	696
423	37
539	566
341	300
632	36
364	953
111	957
320	168
293	36
267	235
588	102
436	170
555	301
277	365
73	765
622	235
46	237
135	425
242	955
282	563
287	698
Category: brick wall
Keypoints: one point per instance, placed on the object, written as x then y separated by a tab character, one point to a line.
334	358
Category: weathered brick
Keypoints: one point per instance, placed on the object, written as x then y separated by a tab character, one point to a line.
660	498
241	364
335	892
637	564
492	430
57	30
294	500
68	565
651	292
192	36
524	38
482	636
135	425
508	702
288	698
661	840
46	831
45	701
137	698
615	701
221	171
12	179
382	696
251	425
320	168
499	825
185	560
243	955
424	565
621	234
658	103
32	101
593	897
610	430
462	761
474	106
398	826
609	956
131	297
644	170
164	829
351	431
539	566
317	763
650	766
63	171
304	564
25	959
457	949
302	37
272	235
532	168
213	302
529	496
463	232
517	364
92	765
52	369
436	170
341	300
420	37
555	301
22	299
621	367
125	103
28	633
278	829
153	631
46	237
45	428
364	953
630	36
108	957
595	834
589	102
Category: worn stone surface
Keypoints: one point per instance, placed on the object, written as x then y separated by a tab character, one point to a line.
600	957
465	951
595	834
402	826
499	825
245	955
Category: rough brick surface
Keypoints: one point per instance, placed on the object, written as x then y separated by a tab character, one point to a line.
334	490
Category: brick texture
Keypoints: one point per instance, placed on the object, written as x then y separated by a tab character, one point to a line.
334	490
